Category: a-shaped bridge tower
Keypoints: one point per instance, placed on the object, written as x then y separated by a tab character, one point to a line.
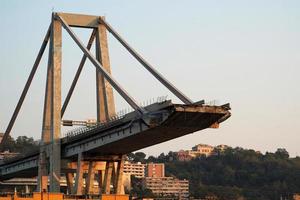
112	136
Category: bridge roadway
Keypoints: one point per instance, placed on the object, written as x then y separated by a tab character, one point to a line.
164	121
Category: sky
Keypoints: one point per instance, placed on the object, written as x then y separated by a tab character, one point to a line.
246	53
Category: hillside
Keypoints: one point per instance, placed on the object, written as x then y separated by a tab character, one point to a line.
236	174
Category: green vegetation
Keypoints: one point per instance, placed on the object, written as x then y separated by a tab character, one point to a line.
138	189
22	144
237	174
137	157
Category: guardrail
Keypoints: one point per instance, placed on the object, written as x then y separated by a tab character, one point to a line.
120	115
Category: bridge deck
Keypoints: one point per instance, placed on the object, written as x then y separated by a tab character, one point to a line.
164	121
183	120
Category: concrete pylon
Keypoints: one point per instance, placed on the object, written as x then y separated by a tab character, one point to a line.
90	178
100	181
79	175
104	92
119	188
70	182
27	191
50	150
55	159
107	177
105	101
42	172
51	128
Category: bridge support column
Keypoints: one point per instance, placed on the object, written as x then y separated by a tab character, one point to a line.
27	191
70	181
79	175
107	177
90	178
55	127
119	189
51	117
113	177
100	181
42	184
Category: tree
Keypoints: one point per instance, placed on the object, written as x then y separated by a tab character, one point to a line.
26	144
151	159
138	188
139	157
22	144
10	144
161	158
130	156
282	153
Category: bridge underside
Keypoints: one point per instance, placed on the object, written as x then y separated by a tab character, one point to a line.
183	120
27	173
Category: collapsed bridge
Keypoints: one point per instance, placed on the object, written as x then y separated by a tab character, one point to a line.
112	136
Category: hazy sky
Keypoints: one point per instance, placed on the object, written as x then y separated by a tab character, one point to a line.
246	53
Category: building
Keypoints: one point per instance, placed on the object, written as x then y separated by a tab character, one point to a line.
163	186
202	149
199	150
168	187
183	155
153	177
135	169
155	170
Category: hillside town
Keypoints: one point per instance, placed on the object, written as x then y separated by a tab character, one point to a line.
153	174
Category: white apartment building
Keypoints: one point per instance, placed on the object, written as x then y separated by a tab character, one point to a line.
168	187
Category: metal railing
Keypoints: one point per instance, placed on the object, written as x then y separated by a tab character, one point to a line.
119	115
214	102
